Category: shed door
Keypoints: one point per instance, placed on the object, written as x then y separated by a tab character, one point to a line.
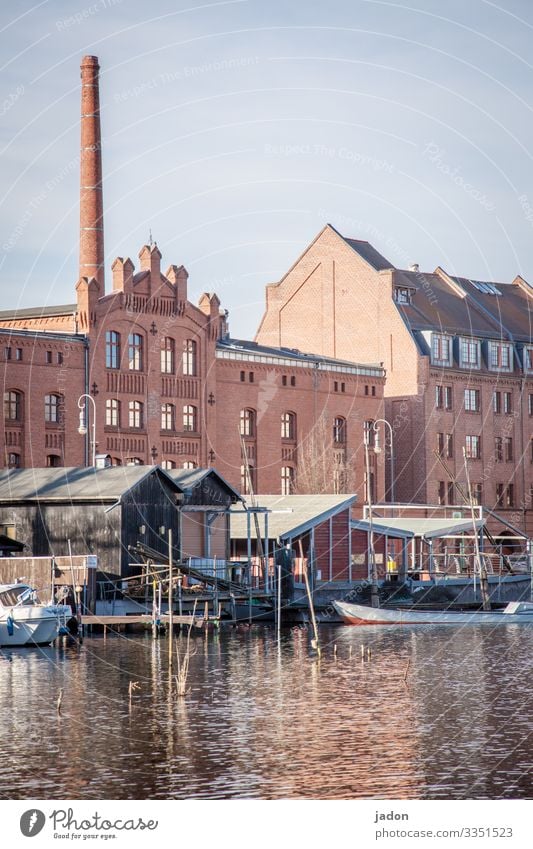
192	529
217	540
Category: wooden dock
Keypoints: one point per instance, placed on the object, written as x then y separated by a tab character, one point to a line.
147	620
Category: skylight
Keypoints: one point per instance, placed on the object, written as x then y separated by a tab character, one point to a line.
485	288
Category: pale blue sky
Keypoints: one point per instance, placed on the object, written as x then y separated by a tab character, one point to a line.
236	130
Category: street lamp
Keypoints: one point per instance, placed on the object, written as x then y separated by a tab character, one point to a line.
374	596
377	449
82	429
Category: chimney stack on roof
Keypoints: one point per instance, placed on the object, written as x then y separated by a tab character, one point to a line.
91	200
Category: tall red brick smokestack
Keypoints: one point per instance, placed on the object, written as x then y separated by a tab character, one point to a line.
91	200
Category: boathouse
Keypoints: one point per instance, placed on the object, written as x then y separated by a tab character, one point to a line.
316	528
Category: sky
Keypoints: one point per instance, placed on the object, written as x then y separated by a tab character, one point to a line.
234	131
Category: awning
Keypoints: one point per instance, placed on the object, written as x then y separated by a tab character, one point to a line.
405	528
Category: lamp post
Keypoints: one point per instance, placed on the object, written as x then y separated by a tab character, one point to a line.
374	596
83	426
377	449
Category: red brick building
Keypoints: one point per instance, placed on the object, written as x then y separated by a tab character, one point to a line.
459	360
169	384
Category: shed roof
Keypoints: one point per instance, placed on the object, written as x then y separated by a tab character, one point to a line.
75	484
407	528
291	515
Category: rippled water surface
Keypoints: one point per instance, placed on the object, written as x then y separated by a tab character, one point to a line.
434	713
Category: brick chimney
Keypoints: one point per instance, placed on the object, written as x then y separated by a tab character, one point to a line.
91	201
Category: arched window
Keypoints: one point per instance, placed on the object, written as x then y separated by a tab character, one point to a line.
288	426
112	349
135	352
339	430
287	480
190	349
190	417
13	461
52	408
370	433
247	422
112	412
168	464
13	405
167	356
189	464
167	417
53	460
135	415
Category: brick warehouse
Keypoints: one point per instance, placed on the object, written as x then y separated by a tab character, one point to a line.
459	360
169	384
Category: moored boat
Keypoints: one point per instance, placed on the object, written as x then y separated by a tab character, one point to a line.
24	621
516	613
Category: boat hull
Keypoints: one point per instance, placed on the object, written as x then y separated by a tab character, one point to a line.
358	614
32	625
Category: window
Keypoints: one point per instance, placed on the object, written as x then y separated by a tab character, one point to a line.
507	402
500	356
287	480
168	464
13	461
497	401
470	353
251	378
499	494
135	352
112	349
247	423
343	387
498	449
7	353
283	379
189	464
528	358
247	479
59	358
168	420
243	376
530	403
401	295
450	487
13	406
508	444
293	381
472	400
53	460
189	357
48	357
167	356
335	386
441	497
134	461
135	415
52	408
189	418
18	354
477	493
440	444
441	349
374	391
112	412
288	426
339	430
372	492
366	390
473	447
449	445
509	495
443	397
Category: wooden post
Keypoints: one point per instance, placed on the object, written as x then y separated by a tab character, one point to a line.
314	643
170	599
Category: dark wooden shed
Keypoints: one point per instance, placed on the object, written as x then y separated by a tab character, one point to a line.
101	511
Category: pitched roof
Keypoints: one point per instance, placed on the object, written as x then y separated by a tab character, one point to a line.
368	252
75	484
37	312
290	515
188	479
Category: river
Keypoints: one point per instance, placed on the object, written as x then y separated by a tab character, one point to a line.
433	713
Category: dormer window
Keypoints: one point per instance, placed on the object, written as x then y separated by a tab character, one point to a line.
470	353
528	358
402	295
500	356
441	349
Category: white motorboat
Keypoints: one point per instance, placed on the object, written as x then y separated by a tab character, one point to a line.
24	621
516	613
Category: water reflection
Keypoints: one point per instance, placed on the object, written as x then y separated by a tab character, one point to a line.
434	713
